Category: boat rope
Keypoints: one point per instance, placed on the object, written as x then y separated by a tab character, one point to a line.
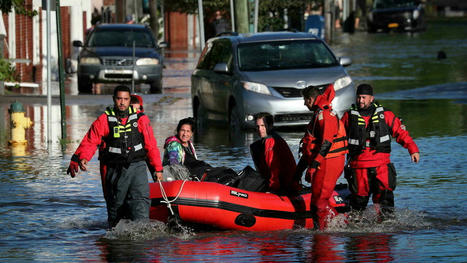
166	199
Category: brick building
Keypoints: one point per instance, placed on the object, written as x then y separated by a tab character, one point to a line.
25	44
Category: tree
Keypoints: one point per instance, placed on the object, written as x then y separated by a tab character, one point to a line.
191	6
154	18
271	13
7	71
18	5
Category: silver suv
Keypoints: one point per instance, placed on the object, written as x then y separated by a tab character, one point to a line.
240	75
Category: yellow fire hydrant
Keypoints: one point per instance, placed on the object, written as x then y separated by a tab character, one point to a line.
18	123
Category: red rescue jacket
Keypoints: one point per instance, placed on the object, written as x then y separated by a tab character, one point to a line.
325	135
274	160
369	157
100	129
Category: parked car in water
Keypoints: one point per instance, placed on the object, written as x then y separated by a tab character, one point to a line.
400	15
239	75
120	53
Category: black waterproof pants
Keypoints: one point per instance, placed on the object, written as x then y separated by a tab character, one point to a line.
127	192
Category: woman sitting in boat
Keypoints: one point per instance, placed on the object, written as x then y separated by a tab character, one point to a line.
179	150
180	153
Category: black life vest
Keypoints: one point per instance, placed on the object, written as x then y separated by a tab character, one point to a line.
376	135
124	144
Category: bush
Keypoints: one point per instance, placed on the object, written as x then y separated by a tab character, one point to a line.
7	71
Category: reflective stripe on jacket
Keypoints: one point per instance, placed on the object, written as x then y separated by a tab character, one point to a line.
310	146
377	134
124	144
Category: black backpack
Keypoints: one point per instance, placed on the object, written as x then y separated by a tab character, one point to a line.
251	180
221	175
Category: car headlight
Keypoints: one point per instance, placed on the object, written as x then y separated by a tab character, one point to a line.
408	15
89	60
256	87
342	82
416	13
147	61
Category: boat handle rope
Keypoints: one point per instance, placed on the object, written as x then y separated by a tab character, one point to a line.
166	199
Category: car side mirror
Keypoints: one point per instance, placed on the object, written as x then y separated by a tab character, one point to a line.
77	43
345	61
163	44
221	68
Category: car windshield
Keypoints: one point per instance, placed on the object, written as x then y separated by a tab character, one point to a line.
120	37
378	4
284	55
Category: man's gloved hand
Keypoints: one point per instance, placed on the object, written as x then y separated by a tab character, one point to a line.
309	174
73	169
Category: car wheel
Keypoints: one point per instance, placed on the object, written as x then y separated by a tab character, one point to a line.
156	87
84	86
199	113
235	119
370	28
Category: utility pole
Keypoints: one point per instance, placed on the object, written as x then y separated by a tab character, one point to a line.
201	24
120	10
2	35
256	16
154	19
241	16
328	21
49	75
61	74
232	15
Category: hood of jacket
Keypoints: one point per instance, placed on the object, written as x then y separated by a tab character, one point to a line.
324	100
171	139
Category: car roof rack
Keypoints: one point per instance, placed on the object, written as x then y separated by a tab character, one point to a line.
227	33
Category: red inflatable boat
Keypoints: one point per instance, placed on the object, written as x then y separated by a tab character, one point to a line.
225	207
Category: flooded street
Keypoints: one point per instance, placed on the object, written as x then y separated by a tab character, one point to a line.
46	216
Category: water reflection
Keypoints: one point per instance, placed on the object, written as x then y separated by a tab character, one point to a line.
325	248
282	246
425	118
407	61
370	248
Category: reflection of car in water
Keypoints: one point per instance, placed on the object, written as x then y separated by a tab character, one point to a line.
401	15
240	75
108	56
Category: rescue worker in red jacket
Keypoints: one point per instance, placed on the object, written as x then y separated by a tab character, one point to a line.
322	150
136	102
273	158
370	127
128	139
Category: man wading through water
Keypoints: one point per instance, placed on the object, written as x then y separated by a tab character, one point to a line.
323	149
128	139
370	127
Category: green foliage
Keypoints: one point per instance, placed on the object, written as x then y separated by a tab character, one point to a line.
271	12
191	6
19	5
7	71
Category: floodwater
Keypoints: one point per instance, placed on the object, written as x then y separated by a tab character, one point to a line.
48	217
